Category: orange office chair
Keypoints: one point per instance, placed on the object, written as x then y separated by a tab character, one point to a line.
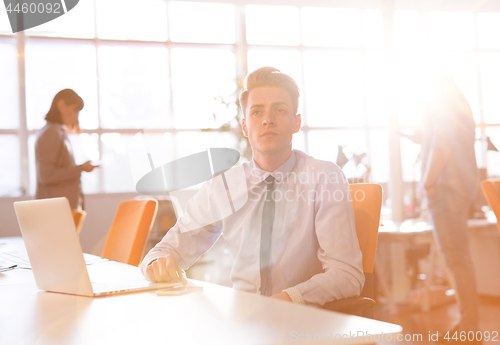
491	190
79	218
367	202
129	231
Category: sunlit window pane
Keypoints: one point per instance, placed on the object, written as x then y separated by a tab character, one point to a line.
493	157
142	20
9	165
52	66
331	27
411	79
324	145
199	76
410	162
407	33
452	29
5	28
31	162
376	84
414	81
334	88
161	147
379	153
117	174
9	87
134	86
490	79
411	167
78	23
287	61
145	145
86	148
373	28
201	22
298	141
488	27
187	143
278	25
463	68
479	147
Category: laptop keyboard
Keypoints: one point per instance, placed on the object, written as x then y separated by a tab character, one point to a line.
99	287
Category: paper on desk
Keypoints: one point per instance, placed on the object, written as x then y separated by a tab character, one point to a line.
13	254
16	255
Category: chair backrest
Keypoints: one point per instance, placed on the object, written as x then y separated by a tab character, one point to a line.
491	190
129	231
367	202
79	218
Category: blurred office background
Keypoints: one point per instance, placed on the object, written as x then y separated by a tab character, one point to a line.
171	68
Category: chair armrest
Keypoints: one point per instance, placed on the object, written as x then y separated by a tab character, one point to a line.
351	305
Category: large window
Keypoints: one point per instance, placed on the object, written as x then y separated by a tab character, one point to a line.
171	68
465	45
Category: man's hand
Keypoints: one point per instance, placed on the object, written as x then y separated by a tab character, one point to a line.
165	269
282	296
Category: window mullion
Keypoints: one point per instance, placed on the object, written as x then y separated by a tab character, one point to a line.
23	126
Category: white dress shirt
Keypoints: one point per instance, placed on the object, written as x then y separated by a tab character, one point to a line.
315	254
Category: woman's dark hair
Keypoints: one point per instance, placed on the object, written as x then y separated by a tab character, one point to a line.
69	97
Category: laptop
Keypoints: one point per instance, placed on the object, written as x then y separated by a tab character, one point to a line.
57	259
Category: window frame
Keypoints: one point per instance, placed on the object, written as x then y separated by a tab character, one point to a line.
240	49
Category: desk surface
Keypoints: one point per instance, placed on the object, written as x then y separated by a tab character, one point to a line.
417	227
216	315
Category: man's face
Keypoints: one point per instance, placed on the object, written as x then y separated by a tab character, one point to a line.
270	120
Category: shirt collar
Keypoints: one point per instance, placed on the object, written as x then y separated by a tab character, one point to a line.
260	175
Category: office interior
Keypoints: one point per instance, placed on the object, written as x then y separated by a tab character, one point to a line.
170	70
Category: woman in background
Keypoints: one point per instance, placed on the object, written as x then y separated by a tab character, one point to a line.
57	173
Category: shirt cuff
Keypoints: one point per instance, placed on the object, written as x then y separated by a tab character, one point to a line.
295	295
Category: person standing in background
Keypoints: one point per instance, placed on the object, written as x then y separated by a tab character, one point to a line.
450	181
56	171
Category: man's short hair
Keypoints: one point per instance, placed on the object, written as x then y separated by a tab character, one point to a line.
269	77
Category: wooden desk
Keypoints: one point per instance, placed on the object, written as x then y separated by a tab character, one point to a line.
217	315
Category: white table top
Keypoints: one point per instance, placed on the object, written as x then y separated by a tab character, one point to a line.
216	315
416	227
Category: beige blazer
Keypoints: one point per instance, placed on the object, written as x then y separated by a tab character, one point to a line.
56	172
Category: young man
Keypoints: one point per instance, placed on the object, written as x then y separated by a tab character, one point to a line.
295	238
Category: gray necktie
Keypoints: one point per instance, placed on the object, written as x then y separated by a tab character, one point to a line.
265	237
